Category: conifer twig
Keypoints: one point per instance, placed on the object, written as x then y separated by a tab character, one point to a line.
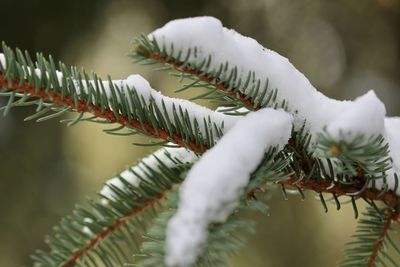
389	217
163	59
108	114
330	187
323	186
108	230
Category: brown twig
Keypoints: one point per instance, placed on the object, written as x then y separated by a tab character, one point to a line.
338	189
324	186
108	114
162	59
73	259
389	217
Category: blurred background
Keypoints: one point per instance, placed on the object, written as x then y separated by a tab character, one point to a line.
344	47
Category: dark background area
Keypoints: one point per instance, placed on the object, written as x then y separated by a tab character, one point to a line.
344	47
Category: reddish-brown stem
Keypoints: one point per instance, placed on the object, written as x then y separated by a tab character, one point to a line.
74	258
330	187
108	114
324	186
389	217
162	59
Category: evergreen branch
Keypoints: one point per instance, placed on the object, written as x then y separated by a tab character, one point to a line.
353	170
389	216
149	49
357	165
356	190
223	83
351	153
142	52
224	239
111	230
372	240
106	231
361	154
33	86
131	103
51	96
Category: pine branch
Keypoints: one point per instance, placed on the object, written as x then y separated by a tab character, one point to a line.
249	95
142	52
236	92
225	239
117	224
328	186
111	230
389	216
82	106
350	175
335	166
372	240
69	90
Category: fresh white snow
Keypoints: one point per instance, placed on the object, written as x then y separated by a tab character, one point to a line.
147	93
169	156
213	186
392	136
3	60
343	120
305	102
85	229
195	111
365	115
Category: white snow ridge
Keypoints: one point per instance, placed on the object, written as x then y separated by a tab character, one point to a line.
213	186
211	190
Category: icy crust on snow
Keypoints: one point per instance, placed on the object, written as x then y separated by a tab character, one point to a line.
304	101
226	166
169	156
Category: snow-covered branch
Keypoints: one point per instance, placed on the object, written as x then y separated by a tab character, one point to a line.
342	120
213	186
167	157
130	102
328	146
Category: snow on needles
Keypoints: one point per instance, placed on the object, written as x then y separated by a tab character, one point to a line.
2	60
143	88
341	119
213	186
304	101
148	94
169	156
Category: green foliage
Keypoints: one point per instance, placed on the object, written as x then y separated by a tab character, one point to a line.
372	241
358	155
110	230
77	91
369	154
202	75
225	239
